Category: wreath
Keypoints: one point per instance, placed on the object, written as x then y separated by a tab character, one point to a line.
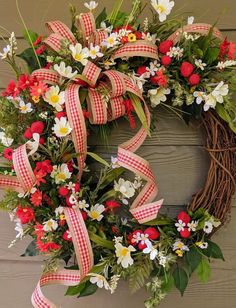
103	222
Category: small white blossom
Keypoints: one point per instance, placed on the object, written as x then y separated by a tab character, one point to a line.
59	210
114	163
91	5
94	52
176	52
65	71
208	227
192	226
61	173
158	95
124	255
7	142
200	96
163	8
83	205
50	225
99	280
20	230
179	245
125	188
79	53
190	20
180	225
202	245
105	27
152	69
111	40
96	211
224	64
150	249
55	98
200	64
25	108
6	51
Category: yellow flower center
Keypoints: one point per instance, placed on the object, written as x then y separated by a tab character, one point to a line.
132	37
94	215
63	130
180	245
111	40
93	52
35	99
124	251
23	108
61	176
62	217
54	99
160	8
50	223
78	57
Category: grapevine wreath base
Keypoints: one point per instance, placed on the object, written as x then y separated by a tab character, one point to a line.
99	225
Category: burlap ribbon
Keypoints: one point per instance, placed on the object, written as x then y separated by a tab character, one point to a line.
116	85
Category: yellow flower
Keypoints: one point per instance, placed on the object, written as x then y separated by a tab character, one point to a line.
62	217
35	99
179	253
132	37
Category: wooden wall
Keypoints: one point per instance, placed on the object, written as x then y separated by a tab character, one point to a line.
178	159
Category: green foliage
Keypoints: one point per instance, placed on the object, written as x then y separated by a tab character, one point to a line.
30	36
139	273
101	17
31	250
101	241
136	101
10	201
98	158
83	289
193	258
204	270
213	251
181	279
28	56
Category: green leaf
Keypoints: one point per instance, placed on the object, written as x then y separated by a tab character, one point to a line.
31	250
220	109
101	241
213	251
211	55
108	195
101	17
72	291
204	270
30	36
115	11
140	111
159	222
193	258
111	176
89	289
28	56
168	283
98	159
180	279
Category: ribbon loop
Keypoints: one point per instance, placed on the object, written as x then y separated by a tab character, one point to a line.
61	29
87	25
138	49
91	72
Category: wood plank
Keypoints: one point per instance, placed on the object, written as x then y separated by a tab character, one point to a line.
36	13
219	292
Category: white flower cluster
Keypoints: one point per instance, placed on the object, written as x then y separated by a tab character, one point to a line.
10	49
126	188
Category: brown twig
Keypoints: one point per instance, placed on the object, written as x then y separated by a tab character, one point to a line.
220	186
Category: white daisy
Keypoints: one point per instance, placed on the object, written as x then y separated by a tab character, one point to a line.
62	127
220	91
94	52
25	108
151	250
200	64
158	95
61	173
50	225
192	226
208	227
180	225
200	96
65	71
124	255
91	5
163	8
55	98
59	210
176	52
179	245
105	27
111	41
125	188
99	280
190	20
83	205
96	211
79	53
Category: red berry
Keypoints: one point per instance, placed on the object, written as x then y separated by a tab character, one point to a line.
67	236
166	60
84	215
186	69
194	79
184	217
185	233
141	70
142	246
61	114
28	134
166	46
63	191
152	233
37	127
41	140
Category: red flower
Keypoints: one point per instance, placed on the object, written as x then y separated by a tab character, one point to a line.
232	51
166	60
37	198
38	230
40	50
38	41
37	127
11	90
63	191
139	35
47	247
185	233
112	204
70	166
8	153
142	70
184	217
47	199
186	69
124	40
86	114
67	236
84	215
166	46
24	82
159	79
224	48
28	133
40	175
38	89
152	232
129	108
194	79
45	166
25	215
